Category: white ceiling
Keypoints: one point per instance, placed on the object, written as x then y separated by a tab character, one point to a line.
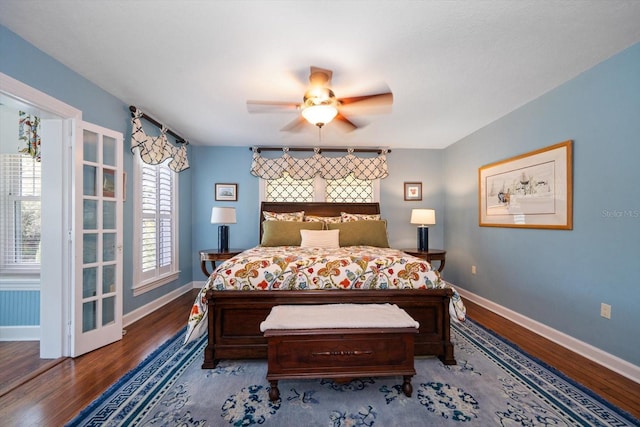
453	66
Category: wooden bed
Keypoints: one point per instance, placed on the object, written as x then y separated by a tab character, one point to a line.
234	317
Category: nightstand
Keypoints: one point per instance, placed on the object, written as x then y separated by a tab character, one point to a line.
429	255
213	255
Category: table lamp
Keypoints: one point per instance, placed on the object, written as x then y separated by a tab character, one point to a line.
223	216
423	217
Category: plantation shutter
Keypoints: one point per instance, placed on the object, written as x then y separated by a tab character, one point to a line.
157	232
20	213
165	203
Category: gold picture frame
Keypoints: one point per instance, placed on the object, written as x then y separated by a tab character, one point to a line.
532	190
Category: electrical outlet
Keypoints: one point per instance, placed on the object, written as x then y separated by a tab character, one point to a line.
605	310
473	269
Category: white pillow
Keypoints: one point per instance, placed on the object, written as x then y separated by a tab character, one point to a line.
320	238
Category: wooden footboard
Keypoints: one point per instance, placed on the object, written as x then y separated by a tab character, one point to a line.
234	318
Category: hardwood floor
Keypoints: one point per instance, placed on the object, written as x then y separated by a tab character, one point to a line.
615	388
15	371
56	395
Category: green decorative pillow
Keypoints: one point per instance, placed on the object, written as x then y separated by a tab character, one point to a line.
362	233
285	233
323	219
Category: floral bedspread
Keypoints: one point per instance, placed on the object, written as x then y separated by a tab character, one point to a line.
296	268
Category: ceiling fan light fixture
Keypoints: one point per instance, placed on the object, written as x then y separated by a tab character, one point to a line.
320	115
319	104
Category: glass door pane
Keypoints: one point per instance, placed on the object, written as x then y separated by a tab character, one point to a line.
109	151
90	146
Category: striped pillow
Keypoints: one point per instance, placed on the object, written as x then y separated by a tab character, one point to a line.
320	238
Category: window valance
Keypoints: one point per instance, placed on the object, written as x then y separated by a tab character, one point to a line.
317	164
155	150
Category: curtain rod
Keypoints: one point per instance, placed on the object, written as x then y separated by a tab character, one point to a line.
328	149
179	139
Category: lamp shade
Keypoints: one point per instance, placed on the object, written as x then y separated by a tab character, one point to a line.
223	215
319	115
423	216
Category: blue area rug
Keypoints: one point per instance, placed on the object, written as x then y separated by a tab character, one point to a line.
494	383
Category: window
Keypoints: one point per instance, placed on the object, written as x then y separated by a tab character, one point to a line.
156	255
348	189
287	189
20	214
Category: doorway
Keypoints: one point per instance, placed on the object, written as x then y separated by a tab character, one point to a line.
81	229
55	267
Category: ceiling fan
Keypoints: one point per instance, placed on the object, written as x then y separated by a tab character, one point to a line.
320	105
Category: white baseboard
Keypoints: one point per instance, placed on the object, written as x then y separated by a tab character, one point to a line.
199	285
146	309
603	358
19	333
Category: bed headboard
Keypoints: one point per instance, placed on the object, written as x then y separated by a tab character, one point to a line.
317	208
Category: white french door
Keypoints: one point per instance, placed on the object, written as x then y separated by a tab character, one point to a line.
97	218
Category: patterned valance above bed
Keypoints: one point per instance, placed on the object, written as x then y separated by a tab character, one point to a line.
317	164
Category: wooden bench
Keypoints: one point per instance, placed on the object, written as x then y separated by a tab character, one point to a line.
331	341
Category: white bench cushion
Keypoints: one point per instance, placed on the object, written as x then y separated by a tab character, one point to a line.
339	316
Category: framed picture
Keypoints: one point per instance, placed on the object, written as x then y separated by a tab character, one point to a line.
413	191
228	192
533	190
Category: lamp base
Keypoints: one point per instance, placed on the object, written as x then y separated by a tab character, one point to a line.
423	239
223	238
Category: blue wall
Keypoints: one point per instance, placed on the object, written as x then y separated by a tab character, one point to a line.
31	66
559	278
19	308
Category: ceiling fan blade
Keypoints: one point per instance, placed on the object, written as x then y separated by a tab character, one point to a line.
295	125
271	106
375	100
346	124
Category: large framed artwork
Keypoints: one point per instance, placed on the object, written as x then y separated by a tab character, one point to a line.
532	190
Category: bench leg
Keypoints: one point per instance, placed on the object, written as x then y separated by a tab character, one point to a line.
274	393
407	388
